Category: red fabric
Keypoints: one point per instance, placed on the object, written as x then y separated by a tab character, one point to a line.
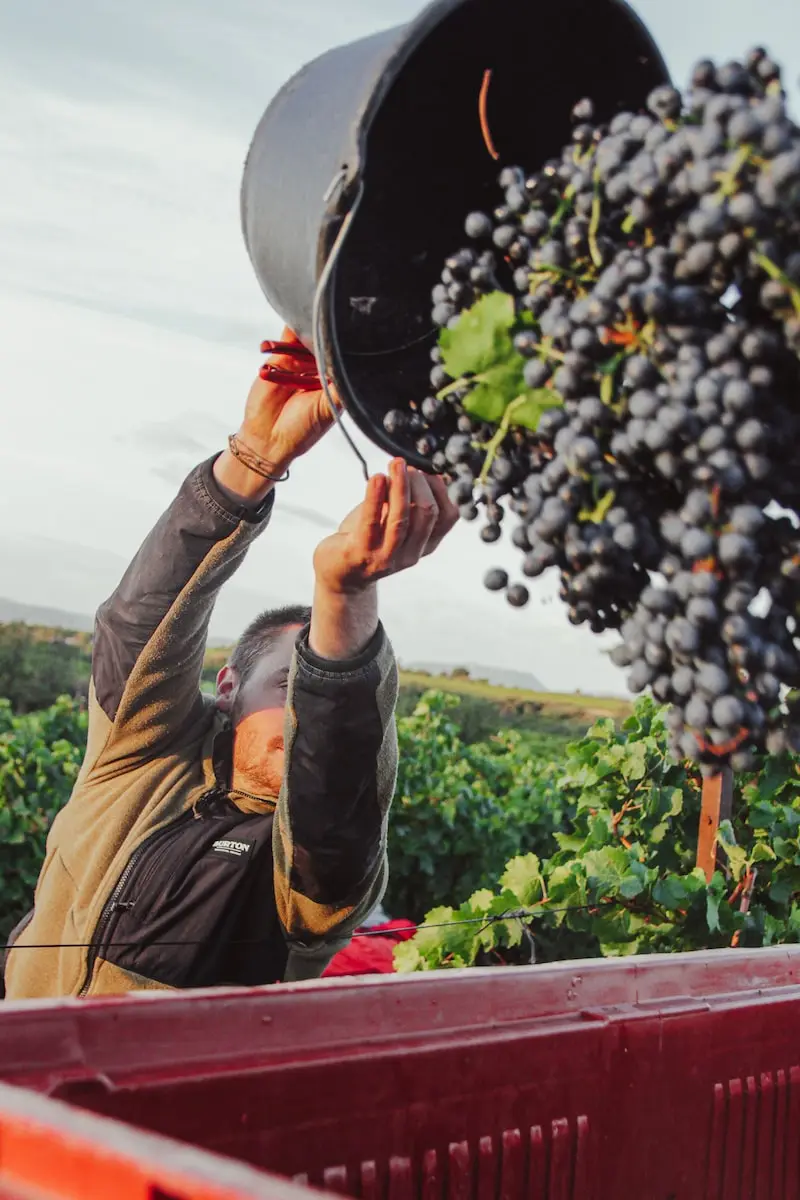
370	955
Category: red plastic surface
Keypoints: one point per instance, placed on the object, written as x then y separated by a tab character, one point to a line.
49	1151
669	1078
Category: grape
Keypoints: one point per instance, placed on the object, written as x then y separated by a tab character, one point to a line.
697	713
683	638
747	520
496	580
478	225
712	680
728	712
518	595
640	676
696	544
701	610
735	548
460	492
683	681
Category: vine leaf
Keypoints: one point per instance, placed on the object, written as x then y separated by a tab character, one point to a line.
606	869
407	958
677	891
482	337
712	912
523	877
528	413
497	387
736	855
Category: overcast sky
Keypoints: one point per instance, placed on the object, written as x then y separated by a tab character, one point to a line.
130	318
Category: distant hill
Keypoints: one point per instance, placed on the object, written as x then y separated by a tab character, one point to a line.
35	614
497	676
57	618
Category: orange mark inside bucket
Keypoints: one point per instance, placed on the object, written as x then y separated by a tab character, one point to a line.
483	101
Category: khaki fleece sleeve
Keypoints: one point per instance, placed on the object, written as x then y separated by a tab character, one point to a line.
150	636
329	835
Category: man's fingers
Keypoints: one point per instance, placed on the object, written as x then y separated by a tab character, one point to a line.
397	511
423	518
372	513
326	417
448	513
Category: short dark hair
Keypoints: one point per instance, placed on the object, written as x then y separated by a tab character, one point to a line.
262	633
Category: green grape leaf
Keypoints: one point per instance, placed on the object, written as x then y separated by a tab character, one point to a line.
762	853
606	868
712	912
478	905
612	929
481	338
676	805
630	759
528	413
676	891
659	832
737	855
762	815
571	842
523	877
407	958
632	885
785	884
495	389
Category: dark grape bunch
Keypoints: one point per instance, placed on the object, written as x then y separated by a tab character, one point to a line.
655	271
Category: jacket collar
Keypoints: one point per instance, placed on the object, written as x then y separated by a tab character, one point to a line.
217	765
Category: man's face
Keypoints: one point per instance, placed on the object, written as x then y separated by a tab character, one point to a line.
257	709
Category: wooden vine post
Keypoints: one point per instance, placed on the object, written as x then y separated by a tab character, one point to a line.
717	803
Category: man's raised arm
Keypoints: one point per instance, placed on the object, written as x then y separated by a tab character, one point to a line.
329	835
150	635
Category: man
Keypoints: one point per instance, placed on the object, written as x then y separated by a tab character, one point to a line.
239	841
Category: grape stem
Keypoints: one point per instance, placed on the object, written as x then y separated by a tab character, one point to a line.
729	179
774	272
563	208
594	225
496	442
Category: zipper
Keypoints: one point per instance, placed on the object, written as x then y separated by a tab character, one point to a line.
115	903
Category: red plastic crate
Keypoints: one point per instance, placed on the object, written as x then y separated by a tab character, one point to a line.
663	1078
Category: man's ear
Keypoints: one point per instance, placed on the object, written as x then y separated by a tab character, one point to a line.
227	688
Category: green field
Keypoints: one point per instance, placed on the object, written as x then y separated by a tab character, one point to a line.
572	706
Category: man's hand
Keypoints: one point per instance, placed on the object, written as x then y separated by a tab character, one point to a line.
280	424
402	519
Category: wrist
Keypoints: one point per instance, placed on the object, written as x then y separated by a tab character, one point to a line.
265	448
341	588
242	482
342	622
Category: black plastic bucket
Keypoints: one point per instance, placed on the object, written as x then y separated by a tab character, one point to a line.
386	129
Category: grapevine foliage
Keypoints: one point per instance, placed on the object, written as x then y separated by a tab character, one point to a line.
460	811
40	756
623	879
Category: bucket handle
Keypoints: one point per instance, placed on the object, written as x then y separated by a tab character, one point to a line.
319	297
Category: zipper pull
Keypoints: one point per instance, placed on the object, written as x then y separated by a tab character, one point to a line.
205	801
122	905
